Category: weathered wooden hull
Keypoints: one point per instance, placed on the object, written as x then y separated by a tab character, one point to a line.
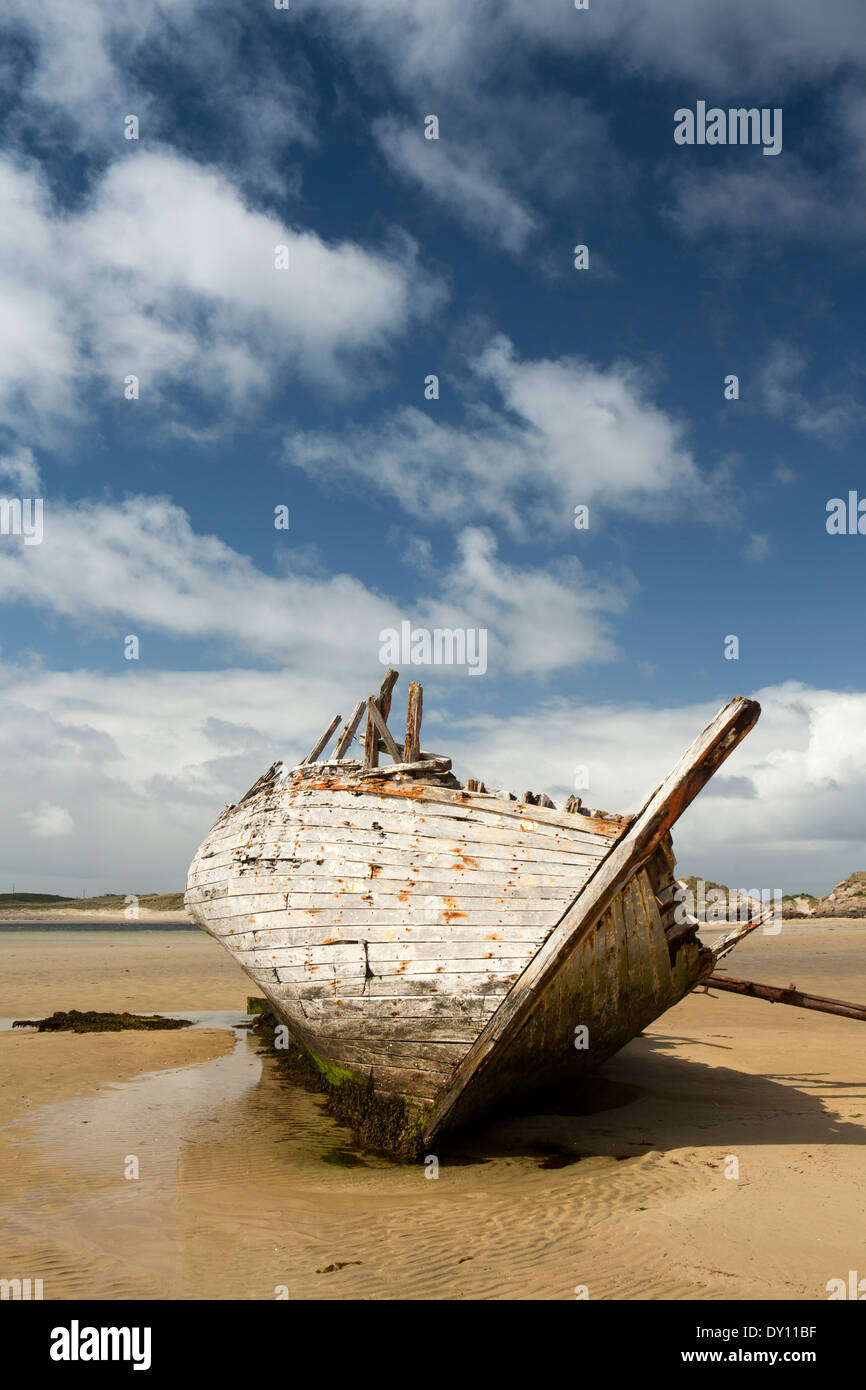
620	975
452	949
386	923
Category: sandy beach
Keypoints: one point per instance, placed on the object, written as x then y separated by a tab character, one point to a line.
247	1189
173	970
66	916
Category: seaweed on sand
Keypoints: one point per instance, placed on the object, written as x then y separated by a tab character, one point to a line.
91	1022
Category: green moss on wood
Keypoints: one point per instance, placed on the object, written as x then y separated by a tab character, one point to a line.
386	1123
334	1075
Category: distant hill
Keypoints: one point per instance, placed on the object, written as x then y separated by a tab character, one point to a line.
706	901
25	899
107	902
847	899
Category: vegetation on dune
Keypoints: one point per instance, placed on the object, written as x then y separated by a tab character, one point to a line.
31	899
854	885
107	902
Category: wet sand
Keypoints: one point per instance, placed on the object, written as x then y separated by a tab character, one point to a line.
139	970
247	1188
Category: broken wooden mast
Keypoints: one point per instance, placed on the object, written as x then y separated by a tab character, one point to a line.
775	994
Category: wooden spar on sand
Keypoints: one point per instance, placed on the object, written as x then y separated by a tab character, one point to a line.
774	994
435	947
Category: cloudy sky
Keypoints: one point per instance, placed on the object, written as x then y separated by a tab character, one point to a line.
305	386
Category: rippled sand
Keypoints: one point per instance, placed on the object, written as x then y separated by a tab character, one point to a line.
247	1189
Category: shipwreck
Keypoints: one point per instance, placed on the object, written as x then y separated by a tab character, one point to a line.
443	950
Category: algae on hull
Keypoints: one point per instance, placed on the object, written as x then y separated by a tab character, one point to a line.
381	1122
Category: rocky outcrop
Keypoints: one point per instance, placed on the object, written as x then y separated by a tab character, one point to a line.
709	901
847	899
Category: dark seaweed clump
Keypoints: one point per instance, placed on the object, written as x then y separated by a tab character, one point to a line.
379	1122
91	1022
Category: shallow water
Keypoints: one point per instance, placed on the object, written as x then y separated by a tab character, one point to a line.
246	1187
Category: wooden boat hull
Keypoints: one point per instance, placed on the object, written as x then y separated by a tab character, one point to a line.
391	923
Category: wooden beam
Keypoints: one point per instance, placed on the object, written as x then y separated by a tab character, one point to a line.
775	994
377	718
371	737
631	850
425	765
412	745
723	944
384	700
324	740
348	733
383	704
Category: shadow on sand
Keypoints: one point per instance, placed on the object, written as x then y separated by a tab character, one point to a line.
648	1098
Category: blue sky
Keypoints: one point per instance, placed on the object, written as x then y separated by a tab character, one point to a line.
305	387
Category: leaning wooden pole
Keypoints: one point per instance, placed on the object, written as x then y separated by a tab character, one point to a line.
324	740
372	740
385	689
774	994
348	733
412	744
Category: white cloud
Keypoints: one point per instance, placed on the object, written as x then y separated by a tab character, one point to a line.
753	201
139	564
539	621
138	567
89	72
88	63
794	810
168	275
757	547
143	762
21	470
790	200
48	822
566	432
789	392
417	552
482	63
505	162
458	175
449	43
75	65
